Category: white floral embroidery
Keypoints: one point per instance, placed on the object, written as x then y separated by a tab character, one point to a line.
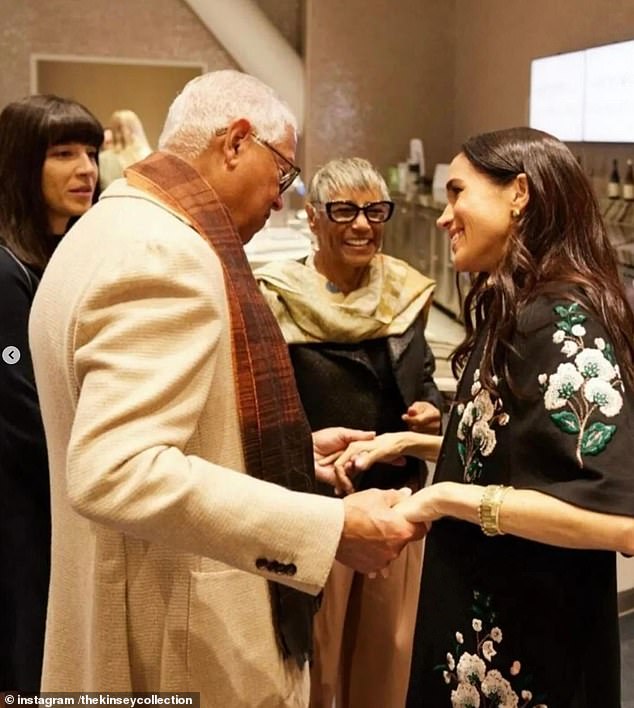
470	668
570	348
476	437
451	663
601	394
563	386
476	680
578	391
488	651
592	363
495	686
465	696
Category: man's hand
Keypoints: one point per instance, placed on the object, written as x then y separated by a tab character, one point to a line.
328	444
373	532
423	417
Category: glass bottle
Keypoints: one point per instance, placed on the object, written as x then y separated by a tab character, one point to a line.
628	183
614	184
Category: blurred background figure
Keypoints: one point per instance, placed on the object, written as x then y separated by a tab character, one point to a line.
354	320
129	145
48	175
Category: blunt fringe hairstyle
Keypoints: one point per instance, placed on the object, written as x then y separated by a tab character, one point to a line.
212	101
27	129
345	174
558	245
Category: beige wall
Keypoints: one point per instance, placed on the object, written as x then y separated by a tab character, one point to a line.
160	30
495	42
146	89
135	29
378	73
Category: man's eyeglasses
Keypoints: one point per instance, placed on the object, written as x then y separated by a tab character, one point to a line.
290	171
287	176
345	212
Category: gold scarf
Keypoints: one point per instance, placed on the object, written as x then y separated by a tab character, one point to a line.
308	311
275	434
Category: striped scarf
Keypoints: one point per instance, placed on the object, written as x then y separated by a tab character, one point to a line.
276	438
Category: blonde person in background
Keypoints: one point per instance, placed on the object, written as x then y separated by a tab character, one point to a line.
354	321
129	145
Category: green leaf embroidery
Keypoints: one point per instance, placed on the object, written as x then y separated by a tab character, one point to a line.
462	451
596	438
608	353
566	421
565	326
561	310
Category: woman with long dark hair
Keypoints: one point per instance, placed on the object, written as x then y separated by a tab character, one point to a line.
534	488
48	175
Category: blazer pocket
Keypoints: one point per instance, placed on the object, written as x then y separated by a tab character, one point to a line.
232	653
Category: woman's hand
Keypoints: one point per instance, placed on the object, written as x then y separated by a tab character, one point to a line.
422	507
423	417
329	444
360	456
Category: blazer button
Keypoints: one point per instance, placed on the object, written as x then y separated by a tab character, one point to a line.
261	563
291	569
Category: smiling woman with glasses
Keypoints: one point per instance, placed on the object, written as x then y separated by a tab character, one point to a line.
354	321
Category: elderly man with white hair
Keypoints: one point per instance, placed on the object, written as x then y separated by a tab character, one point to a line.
188	548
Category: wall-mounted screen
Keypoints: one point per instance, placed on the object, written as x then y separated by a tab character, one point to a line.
556	101
609	101
586	95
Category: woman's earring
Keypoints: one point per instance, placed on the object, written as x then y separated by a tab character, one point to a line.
515	213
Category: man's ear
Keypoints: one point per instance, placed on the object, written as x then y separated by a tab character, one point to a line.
520	192
234	139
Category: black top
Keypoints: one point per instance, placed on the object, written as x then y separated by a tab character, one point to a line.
536	623
367	385
24	491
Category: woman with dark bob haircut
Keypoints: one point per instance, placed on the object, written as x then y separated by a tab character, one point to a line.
534	488
48	175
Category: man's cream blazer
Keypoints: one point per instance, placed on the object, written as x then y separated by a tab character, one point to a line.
156	528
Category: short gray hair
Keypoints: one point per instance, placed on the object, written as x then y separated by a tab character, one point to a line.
212	101
345	174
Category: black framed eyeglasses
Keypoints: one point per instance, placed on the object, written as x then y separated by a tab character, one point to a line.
288	174
344	212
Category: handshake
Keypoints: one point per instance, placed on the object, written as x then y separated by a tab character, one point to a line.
376	524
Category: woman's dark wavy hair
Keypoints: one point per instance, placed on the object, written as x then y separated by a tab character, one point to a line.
559	243
27	129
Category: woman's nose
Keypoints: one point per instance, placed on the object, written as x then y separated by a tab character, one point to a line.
86	163
445	218
361	221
